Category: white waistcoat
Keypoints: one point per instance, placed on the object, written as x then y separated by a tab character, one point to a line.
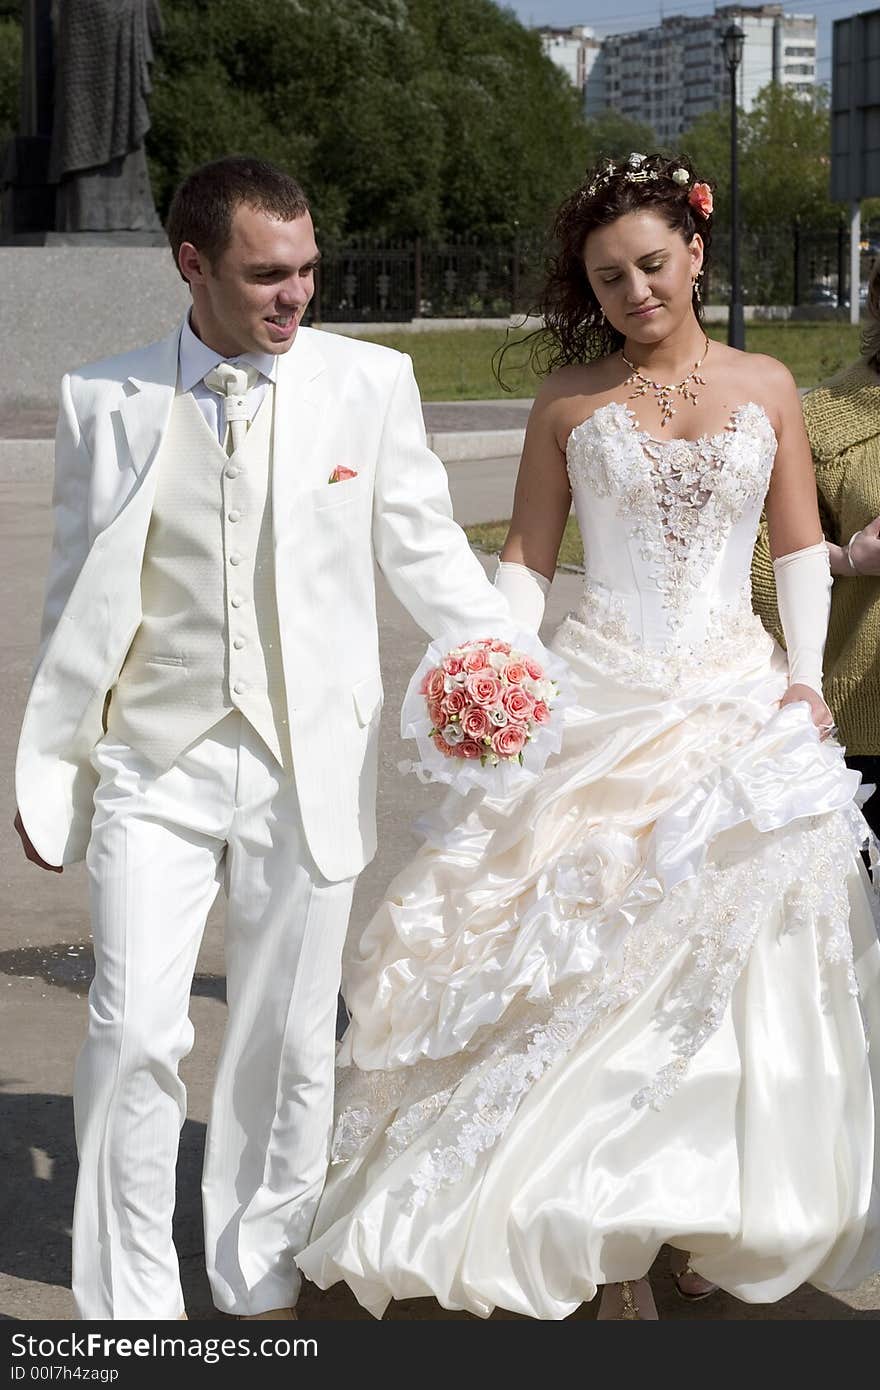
208	640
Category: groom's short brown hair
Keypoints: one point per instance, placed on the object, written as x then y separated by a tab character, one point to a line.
204	204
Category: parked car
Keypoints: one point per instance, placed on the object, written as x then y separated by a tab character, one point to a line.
819	294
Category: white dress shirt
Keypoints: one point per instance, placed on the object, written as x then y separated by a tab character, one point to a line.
197	359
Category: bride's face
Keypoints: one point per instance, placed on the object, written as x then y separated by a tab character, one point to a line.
642	271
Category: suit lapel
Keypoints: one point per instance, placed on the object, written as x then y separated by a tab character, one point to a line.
146	408
301	392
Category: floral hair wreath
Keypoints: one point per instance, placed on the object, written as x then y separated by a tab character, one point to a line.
635	169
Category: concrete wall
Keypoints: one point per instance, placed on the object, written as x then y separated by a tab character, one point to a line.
61	306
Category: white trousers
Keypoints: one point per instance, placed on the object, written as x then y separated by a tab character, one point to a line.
161	844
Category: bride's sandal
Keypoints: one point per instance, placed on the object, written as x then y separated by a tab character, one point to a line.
629	1301
690	1285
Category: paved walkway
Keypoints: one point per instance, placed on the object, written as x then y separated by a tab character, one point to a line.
46	961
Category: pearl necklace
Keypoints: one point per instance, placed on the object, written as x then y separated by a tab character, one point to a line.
664	394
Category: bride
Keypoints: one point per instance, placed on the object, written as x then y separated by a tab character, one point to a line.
629	1005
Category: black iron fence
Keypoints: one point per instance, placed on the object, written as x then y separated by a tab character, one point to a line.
367	281
797	265
364	281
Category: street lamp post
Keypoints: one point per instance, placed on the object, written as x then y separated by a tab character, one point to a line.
732	42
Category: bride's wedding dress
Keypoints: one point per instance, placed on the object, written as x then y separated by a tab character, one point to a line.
629	1005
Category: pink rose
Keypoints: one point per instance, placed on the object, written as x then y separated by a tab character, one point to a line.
535	671
483	689
475	722
541	713
452	666
470	749
455	702
509	741
475	661
700	197
515	672
340	474
517	703
432	686
497	646
435	713
443	746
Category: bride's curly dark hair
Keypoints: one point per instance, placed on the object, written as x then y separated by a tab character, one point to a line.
574	329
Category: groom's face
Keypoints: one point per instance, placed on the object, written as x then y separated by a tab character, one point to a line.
255	294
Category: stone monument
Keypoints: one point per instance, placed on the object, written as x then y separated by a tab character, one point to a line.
77	170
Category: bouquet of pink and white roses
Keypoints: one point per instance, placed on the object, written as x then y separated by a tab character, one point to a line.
485	712
487	700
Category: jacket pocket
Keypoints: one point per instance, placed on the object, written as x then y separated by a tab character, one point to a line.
337	494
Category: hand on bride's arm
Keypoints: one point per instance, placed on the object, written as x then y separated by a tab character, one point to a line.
819	711
861	556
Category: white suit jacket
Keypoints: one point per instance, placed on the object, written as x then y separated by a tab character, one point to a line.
338	401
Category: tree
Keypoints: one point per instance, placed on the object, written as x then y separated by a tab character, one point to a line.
787	159
785	145
401	117
615	135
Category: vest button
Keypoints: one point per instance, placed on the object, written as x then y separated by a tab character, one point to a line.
232	472
236	600
234	515
238	643
235	558
238	688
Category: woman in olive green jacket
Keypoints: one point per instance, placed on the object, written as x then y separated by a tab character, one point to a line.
843	422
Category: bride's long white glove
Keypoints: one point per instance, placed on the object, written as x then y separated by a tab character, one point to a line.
526	593
803	596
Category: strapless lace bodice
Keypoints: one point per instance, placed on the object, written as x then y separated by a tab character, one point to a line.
668	528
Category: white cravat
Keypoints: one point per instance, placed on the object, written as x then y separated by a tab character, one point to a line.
232	385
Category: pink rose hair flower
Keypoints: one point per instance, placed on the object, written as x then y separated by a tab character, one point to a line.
700	198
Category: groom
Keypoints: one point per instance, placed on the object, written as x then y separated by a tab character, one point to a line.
205	710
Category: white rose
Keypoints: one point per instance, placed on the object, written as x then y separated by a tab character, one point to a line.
453	734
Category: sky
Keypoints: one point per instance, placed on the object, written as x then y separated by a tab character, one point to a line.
643	14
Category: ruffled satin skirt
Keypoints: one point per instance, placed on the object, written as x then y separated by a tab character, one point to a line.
627	1007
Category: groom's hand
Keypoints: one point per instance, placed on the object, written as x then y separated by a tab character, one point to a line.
30	852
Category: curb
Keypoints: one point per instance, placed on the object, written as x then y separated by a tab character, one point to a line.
462	446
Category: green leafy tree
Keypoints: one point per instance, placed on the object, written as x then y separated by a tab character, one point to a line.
784	145
787	159
615	135
400	117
